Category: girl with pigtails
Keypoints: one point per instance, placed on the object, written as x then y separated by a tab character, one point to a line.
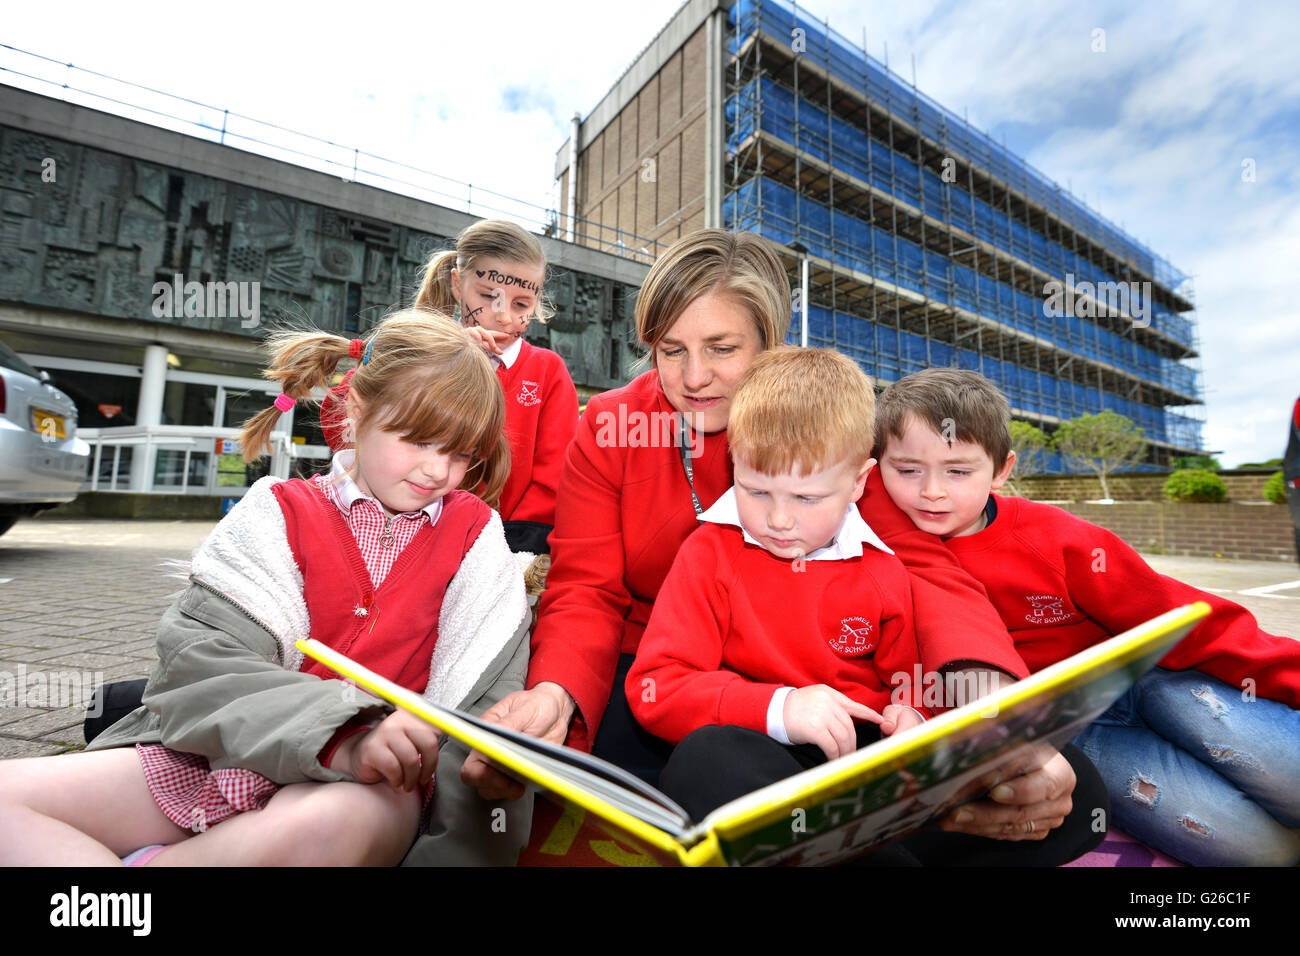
492	282
245	752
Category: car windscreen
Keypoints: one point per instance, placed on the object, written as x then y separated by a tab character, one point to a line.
9	359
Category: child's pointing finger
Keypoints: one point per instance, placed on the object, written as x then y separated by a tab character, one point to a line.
861	711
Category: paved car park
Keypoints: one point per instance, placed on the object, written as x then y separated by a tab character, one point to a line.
80	601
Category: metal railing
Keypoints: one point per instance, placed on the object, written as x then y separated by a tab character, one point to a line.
183	459
230	128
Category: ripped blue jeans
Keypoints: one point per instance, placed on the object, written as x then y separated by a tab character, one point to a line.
1200	772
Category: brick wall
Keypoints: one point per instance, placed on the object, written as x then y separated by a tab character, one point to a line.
1245	485
644	172
1230	530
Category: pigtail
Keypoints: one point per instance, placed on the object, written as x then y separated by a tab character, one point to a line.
255	438
435	290
420	376
301	362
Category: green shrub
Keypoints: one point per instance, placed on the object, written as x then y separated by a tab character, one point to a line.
1274	489
1193	485
1202	462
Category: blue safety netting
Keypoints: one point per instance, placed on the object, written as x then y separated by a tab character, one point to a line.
835	234
851	64
765	105
887	354
778	212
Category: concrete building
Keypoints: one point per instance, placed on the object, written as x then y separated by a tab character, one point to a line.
142	268
926	243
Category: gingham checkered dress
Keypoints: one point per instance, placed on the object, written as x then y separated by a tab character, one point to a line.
186	789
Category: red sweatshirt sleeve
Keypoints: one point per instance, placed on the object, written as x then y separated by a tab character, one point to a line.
955	620
1113	585
556	425
581	615
333	413
677	683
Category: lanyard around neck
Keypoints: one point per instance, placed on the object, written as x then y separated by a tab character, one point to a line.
683	439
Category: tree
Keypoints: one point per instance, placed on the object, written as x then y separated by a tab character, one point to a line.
1030	445
1104	443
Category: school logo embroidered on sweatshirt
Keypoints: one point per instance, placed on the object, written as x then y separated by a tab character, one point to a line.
854	637
529	393
1047	609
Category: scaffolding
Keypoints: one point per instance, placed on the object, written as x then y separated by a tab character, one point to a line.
932	245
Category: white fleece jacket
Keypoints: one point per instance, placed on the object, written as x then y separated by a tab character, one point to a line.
247	557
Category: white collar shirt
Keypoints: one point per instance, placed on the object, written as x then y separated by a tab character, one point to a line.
854	531
510	355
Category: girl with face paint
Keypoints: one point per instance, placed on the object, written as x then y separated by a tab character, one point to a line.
493	283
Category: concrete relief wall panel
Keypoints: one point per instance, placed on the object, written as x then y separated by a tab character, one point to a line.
590	324
94	232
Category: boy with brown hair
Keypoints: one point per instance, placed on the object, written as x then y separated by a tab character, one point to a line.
1183	775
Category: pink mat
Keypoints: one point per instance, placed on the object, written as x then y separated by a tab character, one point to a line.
1120	849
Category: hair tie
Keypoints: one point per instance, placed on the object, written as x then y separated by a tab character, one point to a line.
354	348
369	345
284	403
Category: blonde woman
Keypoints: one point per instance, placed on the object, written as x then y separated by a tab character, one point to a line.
652	455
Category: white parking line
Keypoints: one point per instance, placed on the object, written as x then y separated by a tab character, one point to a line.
1267	589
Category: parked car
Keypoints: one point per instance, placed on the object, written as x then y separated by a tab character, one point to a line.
1291	473
42	461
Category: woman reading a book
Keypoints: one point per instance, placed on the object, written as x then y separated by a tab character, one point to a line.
647	459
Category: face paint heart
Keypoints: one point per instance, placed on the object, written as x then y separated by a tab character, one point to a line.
479	272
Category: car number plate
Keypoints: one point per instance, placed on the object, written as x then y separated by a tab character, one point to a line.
48	424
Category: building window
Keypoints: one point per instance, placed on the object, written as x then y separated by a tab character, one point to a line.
188	403
103	401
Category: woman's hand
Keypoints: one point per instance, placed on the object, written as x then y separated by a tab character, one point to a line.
1024	804
545	712
402	751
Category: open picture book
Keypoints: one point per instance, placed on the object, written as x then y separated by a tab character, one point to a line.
843	808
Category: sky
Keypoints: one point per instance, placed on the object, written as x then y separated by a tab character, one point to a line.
1179	120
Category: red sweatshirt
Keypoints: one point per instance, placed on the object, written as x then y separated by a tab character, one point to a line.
1062	584
541	417
733	625
624	509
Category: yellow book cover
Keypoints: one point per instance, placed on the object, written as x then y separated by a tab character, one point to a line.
845	807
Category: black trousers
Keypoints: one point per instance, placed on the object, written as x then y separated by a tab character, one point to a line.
715	765
624	742
110	704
